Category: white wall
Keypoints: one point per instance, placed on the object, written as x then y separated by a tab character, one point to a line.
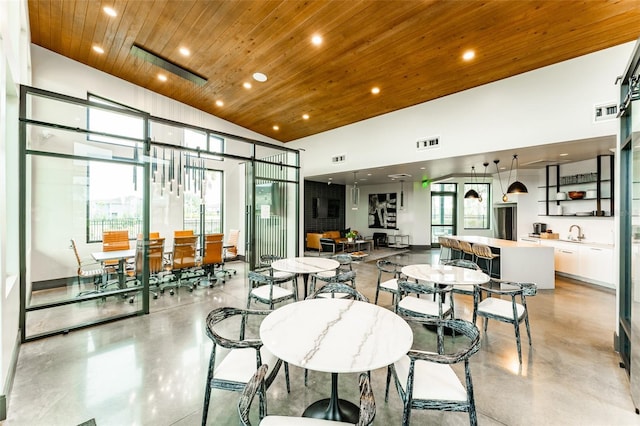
14	70
550	105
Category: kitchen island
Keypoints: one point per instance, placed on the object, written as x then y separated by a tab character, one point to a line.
520	261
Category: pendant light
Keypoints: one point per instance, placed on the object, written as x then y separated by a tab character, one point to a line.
504	195
516	187
484	175
355	193
401	194
472	193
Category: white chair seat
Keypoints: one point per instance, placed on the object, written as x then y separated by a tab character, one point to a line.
326	273
297	421
334	295
467	289
391	284
500	307
432	381
283	275
263	293
240	364
423	306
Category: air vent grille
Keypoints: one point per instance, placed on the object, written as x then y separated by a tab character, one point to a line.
605	112
428	143
339	159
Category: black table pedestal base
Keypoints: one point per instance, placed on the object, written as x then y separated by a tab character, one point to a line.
334	408
343	411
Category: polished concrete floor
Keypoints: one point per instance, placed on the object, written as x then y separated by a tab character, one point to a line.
150	370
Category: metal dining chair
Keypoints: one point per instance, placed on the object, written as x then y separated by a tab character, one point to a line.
245	354
257	386
508	310
425	379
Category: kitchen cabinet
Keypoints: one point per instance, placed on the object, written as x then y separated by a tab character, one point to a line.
598	183
596	264
567	258
593	263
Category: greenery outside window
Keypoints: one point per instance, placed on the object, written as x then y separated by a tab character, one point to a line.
476	211
114	189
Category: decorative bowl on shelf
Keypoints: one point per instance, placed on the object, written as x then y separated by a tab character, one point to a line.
576	195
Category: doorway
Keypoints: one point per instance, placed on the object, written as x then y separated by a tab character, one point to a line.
443	211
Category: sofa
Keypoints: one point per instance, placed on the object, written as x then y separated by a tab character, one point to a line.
329	240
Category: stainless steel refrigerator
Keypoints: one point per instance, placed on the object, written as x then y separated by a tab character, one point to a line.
505	222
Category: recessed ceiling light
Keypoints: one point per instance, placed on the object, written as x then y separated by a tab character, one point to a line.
109	11
423	168
246	85
564	154
316	40
162	77
276	127
219	103
258	76
468	55
98	49
375	90
305	116
184	51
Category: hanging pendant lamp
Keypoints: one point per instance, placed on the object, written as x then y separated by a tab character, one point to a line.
472	193
504	195
401	194
484	175
355	193
516	187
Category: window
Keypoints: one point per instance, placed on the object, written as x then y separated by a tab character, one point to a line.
209	196
114	190
476	211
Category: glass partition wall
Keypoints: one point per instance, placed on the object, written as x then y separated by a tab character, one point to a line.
90	166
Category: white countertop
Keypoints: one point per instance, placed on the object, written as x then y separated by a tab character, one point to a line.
492	242
336	335
586	243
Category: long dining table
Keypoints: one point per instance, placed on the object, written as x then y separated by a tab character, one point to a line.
305	266
336	336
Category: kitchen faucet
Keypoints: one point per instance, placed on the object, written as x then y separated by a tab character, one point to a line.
580	234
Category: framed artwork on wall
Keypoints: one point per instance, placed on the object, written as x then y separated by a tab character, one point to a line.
383	210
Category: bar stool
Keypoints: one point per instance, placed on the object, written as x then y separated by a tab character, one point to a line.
444	244
484	252
454	247
466	250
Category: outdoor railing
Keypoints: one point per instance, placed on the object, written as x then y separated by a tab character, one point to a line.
134	226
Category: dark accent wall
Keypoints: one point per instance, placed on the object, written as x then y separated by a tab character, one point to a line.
322	190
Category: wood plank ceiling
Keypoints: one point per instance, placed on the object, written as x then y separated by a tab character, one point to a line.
411	50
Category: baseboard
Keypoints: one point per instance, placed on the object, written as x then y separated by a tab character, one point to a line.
8	384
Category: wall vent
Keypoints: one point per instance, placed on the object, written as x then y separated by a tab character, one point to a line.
604	112
428	143
339	159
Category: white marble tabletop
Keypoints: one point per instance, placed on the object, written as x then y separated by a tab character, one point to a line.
336	335
305	265
445	274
